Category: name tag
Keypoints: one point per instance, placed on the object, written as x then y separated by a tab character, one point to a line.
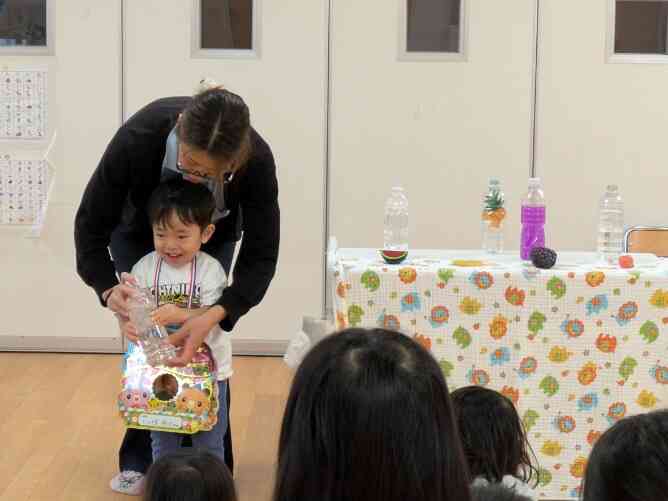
154	421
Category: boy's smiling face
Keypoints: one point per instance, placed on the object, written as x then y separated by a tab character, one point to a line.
178	242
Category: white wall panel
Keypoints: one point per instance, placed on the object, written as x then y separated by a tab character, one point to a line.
42	295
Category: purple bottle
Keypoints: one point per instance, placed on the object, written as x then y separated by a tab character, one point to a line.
533	219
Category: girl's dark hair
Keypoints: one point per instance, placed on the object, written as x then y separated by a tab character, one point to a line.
495	492
369	418
193	203
189	475
493	436
629	462
217	121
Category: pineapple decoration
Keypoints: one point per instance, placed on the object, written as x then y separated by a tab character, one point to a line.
493	214
494	211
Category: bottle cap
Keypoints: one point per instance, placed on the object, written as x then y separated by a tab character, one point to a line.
612	187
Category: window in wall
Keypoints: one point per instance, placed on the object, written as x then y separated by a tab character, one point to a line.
226	24
23	23
641	27
431	30
433	25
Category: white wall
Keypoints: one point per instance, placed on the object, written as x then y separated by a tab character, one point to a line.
598	123
440	128
43	296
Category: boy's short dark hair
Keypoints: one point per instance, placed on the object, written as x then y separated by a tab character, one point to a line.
193	203
628	462
189	474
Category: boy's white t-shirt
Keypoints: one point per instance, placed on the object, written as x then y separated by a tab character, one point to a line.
174	287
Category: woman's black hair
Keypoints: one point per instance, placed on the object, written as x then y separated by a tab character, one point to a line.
493	436
629	462
189	475
192	203
369	418
217	122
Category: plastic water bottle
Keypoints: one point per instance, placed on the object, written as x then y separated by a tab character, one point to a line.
396	221
611	225
533	219
152	337
493	215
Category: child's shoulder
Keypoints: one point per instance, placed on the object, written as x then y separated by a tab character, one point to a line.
145	263
207	261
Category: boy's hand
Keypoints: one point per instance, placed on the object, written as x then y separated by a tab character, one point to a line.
168	314
128	329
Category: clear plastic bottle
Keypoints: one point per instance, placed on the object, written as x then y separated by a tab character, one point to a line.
396	221
152	337
610	242
533	219
493	215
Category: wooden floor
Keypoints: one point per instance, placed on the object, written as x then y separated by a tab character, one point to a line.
61	431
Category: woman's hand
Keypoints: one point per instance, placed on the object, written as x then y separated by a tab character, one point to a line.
117	300
168	314
128	329
193	333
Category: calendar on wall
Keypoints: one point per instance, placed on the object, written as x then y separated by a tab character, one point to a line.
24	190
23	104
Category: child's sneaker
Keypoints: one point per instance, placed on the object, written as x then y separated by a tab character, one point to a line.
128	482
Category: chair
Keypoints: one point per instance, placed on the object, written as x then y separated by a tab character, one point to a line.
650	239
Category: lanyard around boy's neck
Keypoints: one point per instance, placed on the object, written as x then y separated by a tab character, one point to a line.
191	281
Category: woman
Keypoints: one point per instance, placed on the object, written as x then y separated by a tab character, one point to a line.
369	418
205	139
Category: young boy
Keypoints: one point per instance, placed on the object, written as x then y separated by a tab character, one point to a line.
185	282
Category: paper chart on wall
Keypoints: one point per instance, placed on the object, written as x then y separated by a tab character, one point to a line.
24	190
23	104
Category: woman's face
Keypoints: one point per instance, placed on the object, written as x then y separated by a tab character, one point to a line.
197	166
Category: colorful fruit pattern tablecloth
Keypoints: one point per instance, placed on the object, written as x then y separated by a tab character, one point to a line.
576	348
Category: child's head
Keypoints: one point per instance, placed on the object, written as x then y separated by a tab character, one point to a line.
189	475
369	418
180	214
493	435
495	492
629	462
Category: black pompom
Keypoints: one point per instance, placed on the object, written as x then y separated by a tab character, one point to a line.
542	257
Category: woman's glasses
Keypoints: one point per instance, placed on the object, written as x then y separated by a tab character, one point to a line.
192	172
204	175
187	171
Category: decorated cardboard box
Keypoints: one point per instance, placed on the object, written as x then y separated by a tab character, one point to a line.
172	399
